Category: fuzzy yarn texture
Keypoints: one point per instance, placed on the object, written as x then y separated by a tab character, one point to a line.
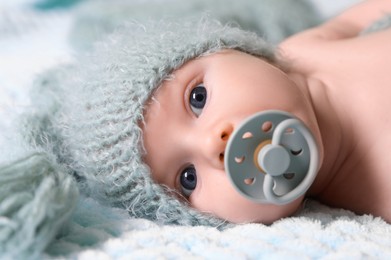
36	198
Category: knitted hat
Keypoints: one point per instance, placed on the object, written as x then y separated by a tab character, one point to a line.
103	98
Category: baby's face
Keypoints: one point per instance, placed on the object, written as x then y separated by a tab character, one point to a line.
191	117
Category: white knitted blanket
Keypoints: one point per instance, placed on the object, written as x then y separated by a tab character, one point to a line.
31	42
316	231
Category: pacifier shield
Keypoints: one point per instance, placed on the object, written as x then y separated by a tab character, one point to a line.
271	158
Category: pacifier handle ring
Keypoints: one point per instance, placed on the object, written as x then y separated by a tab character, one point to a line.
268	184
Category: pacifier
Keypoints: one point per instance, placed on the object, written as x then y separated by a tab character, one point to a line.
272	157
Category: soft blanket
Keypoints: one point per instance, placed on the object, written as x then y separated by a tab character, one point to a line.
316	232
32	41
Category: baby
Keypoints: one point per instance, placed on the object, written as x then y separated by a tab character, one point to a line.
331	77
143	121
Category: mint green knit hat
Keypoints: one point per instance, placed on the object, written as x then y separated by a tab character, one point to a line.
103	99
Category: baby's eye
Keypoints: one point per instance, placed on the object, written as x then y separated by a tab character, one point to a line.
188	180
197	99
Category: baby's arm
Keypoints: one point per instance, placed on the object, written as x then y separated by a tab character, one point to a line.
303	46
354	20
346	25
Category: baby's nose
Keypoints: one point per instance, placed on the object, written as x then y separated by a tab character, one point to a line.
216	142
